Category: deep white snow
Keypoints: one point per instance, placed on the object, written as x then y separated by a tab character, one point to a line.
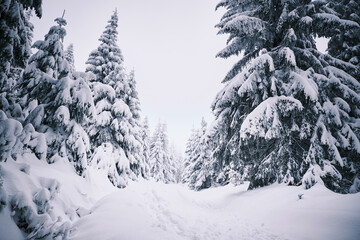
149	210
52	196
93	209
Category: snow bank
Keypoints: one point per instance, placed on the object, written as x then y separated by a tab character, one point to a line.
42	200
10	129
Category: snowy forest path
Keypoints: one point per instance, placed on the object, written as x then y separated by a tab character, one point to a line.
159	211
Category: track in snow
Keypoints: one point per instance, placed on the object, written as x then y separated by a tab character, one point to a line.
158	211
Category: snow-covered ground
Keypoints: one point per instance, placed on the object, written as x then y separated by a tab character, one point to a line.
48	197
150	210
53	199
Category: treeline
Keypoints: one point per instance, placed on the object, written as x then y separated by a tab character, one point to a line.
91	118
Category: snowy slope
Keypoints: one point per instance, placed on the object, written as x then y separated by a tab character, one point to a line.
149	210
50	197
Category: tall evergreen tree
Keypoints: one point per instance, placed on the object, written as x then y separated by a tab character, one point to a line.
196	173
287	112
14	45
145	139
16	71
46	66
56	104
178	160
111	129
69	56
161	167
189	149
108	55
116	128
133	97
130	96
344	43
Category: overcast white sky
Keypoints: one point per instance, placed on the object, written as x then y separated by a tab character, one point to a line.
171	44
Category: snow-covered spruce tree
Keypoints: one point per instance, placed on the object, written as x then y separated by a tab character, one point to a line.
14	47
287	113
45	67
54	103
129	95
145	139
116	129
15	72
110	131
108	55
337	126
191	143
69	56
178	162
344	43
15	43
196	172
161	167
132	97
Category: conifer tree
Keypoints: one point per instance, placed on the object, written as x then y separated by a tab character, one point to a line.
108	55
189	150
129	95
287	112
14	44
344	43
196	173
16	35
178	162
69	56
111	130
133	97
116	128
16	71
161	167
45	66
56	104
145	139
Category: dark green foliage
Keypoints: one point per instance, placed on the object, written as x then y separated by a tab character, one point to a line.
14	44
287	113
345	40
